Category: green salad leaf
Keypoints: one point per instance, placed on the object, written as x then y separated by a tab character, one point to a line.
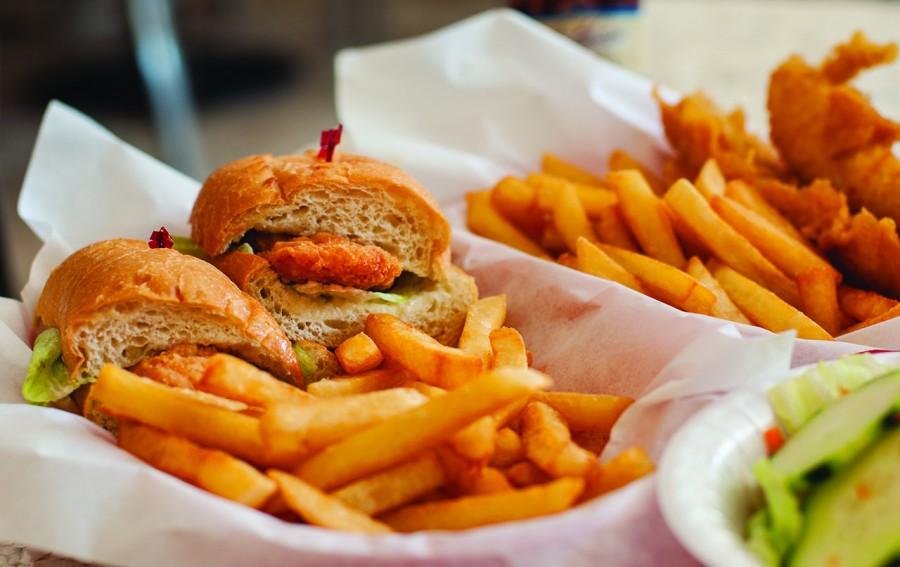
395	298
785	521
244	249
759	539
48	379
186	245
307	362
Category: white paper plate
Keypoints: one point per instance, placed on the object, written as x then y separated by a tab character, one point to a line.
705	485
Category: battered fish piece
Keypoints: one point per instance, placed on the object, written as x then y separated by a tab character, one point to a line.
824	128
698	130
181	366
329	259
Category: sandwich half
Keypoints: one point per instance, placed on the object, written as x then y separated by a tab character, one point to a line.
153	310
324	243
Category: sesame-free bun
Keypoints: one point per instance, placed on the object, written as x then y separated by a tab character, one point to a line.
119	301
359	198
438	308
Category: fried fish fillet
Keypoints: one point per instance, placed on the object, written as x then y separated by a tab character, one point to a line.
824	128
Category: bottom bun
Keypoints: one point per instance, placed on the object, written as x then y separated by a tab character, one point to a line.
437	308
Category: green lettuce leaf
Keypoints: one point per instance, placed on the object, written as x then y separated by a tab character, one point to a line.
244	249
186	245
48	379
785	520
796	401
759	539
307	362
387	297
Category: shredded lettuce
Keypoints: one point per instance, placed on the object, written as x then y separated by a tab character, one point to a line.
48	379
395	298
307	362
796	401
244	249
186	245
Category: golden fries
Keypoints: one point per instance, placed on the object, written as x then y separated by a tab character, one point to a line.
401	436
586	412
292	431
508	448
473	511
725	242
548	443
358	354
394	487
625	467
370	381
818	298
620	159
611	229
554	165
593	199
724	308
525	473
209	469
124	395
596	262
420	354
485	316
741	192
665	283
710	180
484	220
646	216
863	305
884	316
570	218
516	200
765	308
231	377
475	442
508	348
320	509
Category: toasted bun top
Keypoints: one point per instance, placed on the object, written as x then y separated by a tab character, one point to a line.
122	300
353	196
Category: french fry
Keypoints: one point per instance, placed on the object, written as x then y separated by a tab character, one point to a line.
765	308
510	412
742	192
370	381
209	469
483	509
886	315
710	180
571	219
818	298
320	509
233	378
548	443
568	260
124	395
725	242
631	464
620	159
646	217
788	254
586	412
517	202
485	316
611	229
358	354
397	438
664	282
724	308
484	220
552	240
488	481
863	305
421	355
593	441
508	348
476	441
592	199
292	431
426	389
554	165
525	473
508	448
671	172
592	260
394	487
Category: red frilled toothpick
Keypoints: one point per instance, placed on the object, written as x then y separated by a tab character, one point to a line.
161	239
328	141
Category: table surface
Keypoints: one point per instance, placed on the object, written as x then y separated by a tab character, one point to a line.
726	49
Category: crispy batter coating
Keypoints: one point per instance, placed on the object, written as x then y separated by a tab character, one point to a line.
824	128
326	258
181	366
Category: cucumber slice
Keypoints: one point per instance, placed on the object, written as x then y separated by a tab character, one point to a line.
854	518
837	434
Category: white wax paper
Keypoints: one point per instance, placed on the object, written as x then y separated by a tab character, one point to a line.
458	108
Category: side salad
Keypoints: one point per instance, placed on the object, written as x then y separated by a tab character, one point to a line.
831	483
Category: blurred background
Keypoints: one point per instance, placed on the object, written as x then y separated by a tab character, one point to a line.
197	83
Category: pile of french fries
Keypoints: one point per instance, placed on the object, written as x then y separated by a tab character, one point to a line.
416	436
710	246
